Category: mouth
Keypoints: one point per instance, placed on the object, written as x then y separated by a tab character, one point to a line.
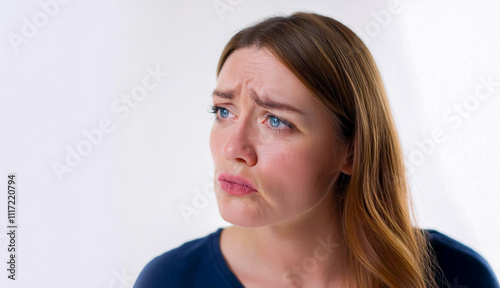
234	185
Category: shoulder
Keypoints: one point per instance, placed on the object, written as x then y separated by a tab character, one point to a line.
183	266
461	265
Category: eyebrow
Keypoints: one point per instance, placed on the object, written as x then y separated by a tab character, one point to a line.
260	101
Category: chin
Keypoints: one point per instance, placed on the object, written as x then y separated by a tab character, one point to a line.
240	212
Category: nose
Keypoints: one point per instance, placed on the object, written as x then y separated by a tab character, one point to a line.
239	146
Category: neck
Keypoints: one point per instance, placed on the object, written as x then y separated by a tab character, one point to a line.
305	251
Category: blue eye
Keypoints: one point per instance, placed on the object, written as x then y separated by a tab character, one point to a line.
278	123
274	122
223	112
220	112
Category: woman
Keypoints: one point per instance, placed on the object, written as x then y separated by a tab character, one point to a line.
309	170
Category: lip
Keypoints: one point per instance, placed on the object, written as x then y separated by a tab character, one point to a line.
235	185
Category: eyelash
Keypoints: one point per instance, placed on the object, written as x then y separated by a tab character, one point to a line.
214	109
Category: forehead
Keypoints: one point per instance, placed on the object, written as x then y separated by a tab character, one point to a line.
250	58
258	69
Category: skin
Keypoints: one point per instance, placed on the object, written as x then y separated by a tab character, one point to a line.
292	165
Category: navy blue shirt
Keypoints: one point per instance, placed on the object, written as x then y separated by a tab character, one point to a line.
200	263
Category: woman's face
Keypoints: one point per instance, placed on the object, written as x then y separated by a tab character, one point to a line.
273	145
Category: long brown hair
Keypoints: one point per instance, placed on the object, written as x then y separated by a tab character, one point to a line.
383	247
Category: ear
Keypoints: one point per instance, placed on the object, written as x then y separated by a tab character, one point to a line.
347	167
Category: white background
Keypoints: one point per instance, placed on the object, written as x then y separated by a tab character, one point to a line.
98	225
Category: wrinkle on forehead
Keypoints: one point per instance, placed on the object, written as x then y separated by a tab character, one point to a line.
257	65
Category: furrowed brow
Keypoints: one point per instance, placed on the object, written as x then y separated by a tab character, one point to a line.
223	94
265	102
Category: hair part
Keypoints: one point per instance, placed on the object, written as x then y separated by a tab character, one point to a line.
383	247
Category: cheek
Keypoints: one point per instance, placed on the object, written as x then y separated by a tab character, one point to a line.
293	174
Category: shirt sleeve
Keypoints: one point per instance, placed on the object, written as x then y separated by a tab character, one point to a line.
461	266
